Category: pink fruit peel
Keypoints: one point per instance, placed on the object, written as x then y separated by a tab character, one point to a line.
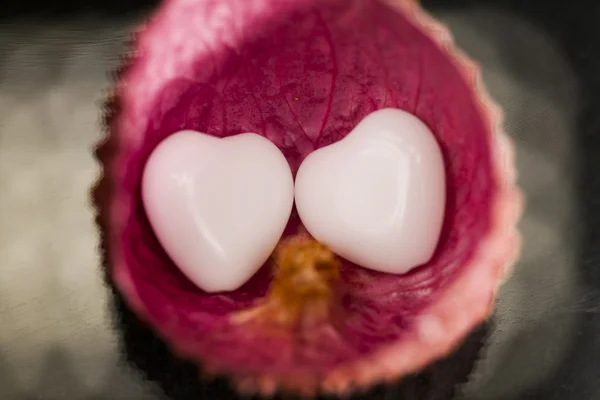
303	73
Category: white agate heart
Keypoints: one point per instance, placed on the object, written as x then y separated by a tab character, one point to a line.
376	197
218	206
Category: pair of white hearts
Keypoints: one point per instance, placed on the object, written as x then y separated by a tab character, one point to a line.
219	206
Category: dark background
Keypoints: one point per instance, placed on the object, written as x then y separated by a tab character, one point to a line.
571	31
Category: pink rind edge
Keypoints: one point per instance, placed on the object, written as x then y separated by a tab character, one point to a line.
490	266
488	269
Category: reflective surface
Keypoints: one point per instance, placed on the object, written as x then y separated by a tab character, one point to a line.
376	197
57	340
207	197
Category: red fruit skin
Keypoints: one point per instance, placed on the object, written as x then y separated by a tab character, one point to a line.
418	318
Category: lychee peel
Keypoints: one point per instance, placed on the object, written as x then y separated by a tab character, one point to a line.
303	73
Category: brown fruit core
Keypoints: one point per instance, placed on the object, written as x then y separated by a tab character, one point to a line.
305	275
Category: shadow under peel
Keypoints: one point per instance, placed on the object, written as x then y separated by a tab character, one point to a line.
180	380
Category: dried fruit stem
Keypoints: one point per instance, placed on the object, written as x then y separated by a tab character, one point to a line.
303	283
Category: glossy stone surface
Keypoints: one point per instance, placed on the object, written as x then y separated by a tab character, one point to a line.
218	206
376	197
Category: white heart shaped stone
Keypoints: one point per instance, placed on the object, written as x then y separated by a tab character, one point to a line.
218	206
376	197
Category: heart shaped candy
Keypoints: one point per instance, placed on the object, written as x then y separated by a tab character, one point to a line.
376	197
218	206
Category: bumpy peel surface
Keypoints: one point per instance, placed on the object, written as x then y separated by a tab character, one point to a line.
303	73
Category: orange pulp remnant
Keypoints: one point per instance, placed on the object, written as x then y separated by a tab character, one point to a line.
305	272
